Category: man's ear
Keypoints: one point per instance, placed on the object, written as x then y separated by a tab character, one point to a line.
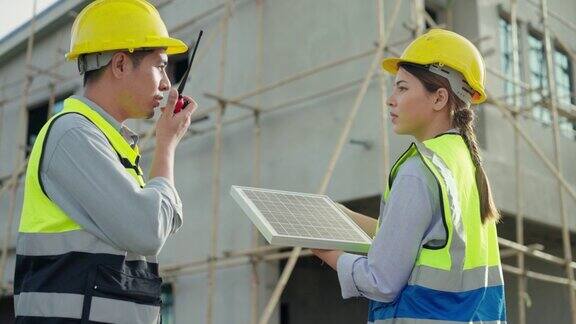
440	99
120	64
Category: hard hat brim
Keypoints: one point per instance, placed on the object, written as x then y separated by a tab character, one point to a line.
390	65
172	46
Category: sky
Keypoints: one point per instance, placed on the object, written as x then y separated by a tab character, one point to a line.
14	13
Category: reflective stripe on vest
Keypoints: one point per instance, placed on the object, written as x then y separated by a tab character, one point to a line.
425	321
461	281
65	272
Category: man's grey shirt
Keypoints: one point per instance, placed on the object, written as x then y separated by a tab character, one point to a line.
82	174
410	219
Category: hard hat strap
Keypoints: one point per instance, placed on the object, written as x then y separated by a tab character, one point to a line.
93	61
457	82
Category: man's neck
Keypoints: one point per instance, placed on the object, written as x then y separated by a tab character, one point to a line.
105	101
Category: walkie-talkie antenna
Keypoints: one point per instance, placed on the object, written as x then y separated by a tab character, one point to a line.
181	103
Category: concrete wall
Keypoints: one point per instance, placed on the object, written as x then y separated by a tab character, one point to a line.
297	142
540	188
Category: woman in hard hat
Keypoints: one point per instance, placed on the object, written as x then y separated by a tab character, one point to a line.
435	251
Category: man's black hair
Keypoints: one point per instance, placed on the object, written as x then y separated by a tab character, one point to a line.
136	57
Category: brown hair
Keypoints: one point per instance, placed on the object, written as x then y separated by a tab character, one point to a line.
463	119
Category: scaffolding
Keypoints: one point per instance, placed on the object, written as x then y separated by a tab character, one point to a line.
259	252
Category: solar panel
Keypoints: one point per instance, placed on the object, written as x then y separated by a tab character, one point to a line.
300	219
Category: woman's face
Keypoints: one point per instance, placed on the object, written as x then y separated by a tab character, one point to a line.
411	105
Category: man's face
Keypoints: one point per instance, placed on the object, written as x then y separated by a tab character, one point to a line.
145	84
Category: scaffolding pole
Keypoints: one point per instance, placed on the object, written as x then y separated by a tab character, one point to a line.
257	161
320	68
20	156
289	267
52	98
418	19
538	254
536	275
2	103
384	107
266	88
229	263
507	113
555	15
517	166
217	154
557	155
172	30
556	170
331	91
255	235
298	76
271	253
535	253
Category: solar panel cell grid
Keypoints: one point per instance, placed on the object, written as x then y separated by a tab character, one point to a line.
302	217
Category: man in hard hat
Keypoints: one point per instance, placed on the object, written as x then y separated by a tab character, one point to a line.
90	226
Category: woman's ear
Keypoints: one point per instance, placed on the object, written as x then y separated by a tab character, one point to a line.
440	99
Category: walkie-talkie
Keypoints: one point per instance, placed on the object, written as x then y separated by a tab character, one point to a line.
182	103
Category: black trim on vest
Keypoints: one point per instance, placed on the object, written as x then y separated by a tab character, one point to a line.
427	246
49	320
42	152
447	133
89	274
391	181
47	273
124	161
390	178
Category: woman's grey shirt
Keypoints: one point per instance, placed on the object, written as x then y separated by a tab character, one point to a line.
410	219
82	174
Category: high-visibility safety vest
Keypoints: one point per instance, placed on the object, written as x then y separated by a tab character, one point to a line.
64	274
462	280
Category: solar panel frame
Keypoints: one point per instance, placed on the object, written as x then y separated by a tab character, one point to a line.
263	223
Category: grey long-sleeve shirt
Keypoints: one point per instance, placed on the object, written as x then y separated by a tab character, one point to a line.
81	173
410	219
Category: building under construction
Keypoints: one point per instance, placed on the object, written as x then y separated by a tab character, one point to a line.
291	96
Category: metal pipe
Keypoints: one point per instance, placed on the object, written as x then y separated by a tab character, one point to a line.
385	155
289	267
557	158
555	15
536	275
534	253
217	155
506	112
517	166
257	162
20	156
507	253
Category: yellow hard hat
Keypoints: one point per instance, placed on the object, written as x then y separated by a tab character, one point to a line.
106	25
443	47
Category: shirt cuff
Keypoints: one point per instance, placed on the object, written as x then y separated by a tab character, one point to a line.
345	269
168	191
